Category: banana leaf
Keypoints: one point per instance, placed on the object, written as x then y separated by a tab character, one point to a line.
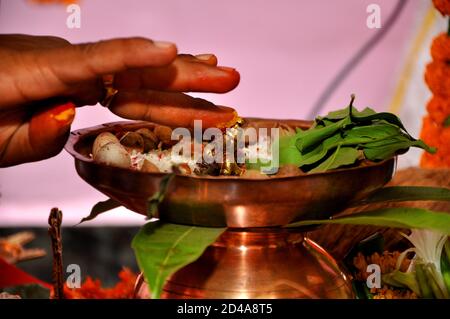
399	217
406	193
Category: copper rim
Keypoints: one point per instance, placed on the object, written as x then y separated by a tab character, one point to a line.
232	201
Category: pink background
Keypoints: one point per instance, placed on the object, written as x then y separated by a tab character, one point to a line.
286	52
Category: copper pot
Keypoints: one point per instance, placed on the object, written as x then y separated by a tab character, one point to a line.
263	263
254	258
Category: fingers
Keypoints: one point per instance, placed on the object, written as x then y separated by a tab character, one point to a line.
86	61
172	109
41	137
206	58
186	74
44	73
20	42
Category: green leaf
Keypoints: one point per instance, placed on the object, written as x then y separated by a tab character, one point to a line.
423	283
354	137
406	193
384	149
288	152
361	290
399	217
157	198
162	249
402	280
314	136
422	144
385	116
371	133
342	113
342	156
100	208
321	150
445	264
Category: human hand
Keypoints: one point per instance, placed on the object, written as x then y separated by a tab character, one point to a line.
43	80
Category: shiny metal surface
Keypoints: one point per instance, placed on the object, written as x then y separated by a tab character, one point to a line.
268	263
231	201
245	262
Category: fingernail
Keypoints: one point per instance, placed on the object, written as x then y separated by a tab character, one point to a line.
204	57
226	69
226	109
163	44
64	114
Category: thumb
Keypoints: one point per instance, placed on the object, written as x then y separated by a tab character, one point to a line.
49	128
24	139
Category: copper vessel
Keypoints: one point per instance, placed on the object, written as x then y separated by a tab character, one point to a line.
269	263
255	258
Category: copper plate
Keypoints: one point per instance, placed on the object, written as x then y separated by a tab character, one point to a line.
231	201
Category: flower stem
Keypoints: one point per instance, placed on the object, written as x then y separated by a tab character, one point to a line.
425	290
434	281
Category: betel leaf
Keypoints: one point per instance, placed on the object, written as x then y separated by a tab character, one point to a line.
324	146
100	208
321	150
372	132
406	193
342	156
161	249
398	217
356	137
288	152
340	114
385	116
388	147
312	137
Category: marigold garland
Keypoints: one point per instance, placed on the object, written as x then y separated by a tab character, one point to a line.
443	6
440	48
92	288
435	126
439	109
437	77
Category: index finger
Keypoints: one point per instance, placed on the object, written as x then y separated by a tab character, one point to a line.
172	109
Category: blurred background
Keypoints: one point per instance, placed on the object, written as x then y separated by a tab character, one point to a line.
288	52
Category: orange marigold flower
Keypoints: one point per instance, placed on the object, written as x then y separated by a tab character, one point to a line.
443	6
92	288
444	139
438	136
440	48
437	77
430	131
439	109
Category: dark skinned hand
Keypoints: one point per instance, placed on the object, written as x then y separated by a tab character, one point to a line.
43	80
